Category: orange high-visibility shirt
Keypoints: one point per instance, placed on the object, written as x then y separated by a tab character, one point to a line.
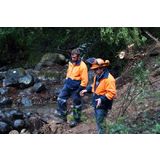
106	87
78	72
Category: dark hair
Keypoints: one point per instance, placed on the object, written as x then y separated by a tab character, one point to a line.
76	51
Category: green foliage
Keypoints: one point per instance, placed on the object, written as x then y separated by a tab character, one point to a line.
140	74
121	37
118	127
156	128
84	118
117	39
18	43
146	122
141	82
144	125
14	43
70	117
50	74
33	59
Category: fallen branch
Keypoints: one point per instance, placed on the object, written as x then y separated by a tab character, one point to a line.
151	82
151	36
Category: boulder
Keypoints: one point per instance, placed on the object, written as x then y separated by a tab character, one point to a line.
35	123
15	73
2	116
3	91
27	114
5	101
12	76
9	82
24	131
4	128
18	124
26	102
14	114
38	87
13	132
26	81
49	59
33	73
18	78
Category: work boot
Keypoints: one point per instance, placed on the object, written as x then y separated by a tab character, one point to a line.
74	123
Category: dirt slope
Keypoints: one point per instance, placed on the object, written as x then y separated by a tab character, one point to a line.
138	92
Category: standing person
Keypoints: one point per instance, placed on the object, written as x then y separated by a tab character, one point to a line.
76	80
103	89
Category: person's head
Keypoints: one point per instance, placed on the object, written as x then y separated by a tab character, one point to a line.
98	71
75	54
98	65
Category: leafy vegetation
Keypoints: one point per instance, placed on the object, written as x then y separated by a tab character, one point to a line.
118	127
143	124
24	44
138	109
121	37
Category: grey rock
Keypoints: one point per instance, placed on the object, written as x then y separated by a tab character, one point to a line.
25	81
15	73
4	128
26	102
2	116
12	76
18	124
35	123
5	101
38	87
3	90
15	114
13	132
49	59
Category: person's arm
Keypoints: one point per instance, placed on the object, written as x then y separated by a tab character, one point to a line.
87	90
84	75
68	70
110	89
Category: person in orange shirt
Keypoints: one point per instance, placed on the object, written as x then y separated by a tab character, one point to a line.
103	89
76	80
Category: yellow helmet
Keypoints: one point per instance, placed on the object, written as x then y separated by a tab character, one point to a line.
99	63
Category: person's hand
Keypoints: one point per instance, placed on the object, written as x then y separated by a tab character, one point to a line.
99	101
83	92
80	89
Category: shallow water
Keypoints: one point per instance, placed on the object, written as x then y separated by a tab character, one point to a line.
47	109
